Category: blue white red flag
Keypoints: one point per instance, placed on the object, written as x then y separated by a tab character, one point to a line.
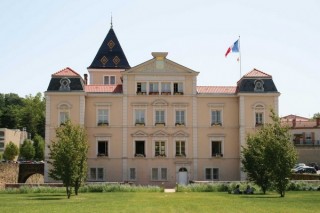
234	48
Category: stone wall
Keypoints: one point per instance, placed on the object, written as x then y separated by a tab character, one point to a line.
8	173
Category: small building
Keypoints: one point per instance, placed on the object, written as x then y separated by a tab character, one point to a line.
305	135
15	136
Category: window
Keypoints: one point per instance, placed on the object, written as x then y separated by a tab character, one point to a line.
153	88
180	148
216	148
139	149
180	117
96	174
178	88
308	136
132	173
160	117
110	80
258	86
166	88
141	88
63	113
1	145
212	174
102	148
139	116
160	149
216	117
259	118
159	174
259	114
103	117
1	134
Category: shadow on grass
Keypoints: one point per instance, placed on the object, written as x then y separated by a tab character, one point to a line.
48	197
260	196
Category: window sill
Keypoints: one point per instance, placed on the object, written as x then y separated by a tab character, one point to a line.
216	124
139	156
178	93
139	124
180	124
165	93
217	155
141	93
153	93
103	124
181	156
160	156
102	156
160	124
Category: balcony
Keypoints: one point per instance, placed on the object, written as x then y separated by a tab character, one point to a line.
103	124
165	93
141	93
160	124
139	155
153	93
179	124
306	143
140	124
217	155
178	93
216	124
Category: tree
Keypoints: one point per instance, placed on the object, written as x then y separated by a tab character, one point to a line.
27	150
316	115
253	162
11	151
271	153
38	144
68	156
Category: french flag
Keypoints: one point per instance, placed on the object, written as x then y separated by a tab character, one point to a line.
234	48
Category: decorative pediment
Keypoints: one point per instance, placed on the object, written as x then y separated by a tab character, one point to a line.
139	134
180	134
160	64
160	102
160	133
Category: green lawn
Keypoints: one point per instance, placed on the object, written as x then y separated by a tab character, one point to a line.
161	202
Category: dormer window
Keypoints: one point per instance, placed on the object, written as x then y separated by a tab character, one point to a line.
109	80
65	84
258	86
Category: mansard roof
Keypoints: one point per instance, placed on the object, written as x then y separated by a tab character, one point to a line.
66	80
256	81
110	54
217	89
93	88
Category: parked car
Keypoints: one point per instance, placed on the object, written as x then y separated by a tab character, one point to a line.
297	167
306	169
314	165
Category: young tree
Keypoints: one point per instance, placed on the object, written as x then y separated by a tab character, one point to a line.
27	150
270	152
11	151
253	162
68	156
38	144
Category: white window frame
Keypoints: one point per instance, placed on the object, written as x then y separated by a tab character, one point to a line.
138	112
179	89
211	169
63	112
216	117
142	89
107	80
96	174
159	121
165	87
259	113
220	139
180	153
162	153
107	115
101	139
153	87
176	115
159	176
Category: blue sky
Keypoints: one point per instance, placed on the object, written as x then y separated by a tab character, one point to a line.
281	38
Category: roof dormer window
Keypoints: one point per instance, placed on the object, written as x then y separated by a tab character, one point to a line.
258	86
65	84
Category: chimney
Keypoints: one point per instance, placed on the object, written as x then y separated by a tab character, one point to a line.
294	122
85	79
318	121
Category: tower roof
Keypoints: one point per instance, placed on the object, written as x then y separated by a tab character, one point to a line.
110	54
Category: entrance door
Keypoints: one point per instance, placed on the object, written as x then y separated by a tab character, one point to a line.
183	176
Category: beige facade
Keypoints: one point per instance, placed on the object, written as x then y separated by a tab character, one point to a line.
11	135
152	123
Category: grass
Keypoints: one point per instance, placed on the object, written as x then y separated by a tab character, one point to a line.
301	201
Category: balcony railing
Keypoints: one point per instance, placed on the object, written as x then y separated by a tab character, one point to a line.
306	142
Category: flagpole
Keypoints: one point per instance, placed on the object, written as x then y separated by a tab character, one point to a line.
240	56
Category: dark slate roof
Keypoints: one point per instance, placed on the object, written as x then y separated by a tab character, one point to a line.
75	82
110	54
247	83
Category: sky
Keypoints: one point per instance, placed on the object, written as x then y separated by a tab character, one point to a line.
281	38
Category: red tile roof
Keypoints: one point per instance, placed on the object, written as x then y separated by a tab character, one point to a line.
103	88
66	72
257	73
217	89
291	117
300	124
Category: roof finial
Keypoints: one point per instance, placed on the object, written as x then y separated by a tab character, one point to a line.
111	22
